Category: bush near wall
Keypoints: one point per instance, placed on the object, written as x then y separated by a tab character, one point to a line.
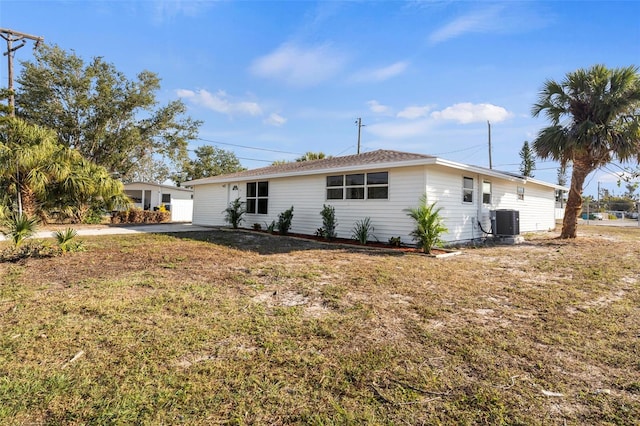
140	216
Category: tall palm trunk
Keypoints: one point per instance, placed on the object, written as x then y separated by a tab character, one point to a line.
581	169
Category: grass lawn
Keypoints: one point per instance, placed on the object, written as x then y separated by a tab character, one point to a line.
229	327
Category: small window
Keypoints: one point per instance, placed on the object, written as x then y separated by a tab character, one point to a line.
335	180
467	190
166	198
257	197
486	192
353	180
521	193
380	178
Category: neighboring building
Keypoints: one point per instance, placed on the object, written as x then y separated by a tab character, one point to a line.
379	185
148	196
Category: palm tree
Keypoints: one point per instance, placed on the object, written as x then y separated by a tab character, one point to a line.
595	119
31	160
43	176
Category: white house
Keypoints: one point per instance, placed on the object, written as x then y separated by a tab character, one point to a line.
147	196
379	185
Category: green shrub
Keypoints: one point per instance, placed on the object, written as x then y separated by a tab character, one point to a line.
94	216
329	223
284	221
428	225
257	227
362	230
234	213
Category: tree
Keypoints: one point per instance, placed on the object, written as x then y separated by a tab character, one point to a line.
631	187
594	121
111	120
43	176
528	164
312	156
209	161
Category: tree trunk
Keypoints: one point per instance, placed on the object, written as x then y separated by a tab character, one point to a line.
29	201
581	169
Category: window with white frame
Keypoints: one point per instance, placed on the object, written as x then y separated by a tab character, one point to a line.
257	197
521	193
486	192
358	186
467	189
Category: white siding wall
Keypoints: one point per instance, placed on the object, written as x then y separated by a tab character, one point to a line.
209	202
444	186
406	185
537	210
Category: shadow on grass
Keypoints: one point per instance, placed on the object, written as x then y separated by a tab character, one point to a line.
267	244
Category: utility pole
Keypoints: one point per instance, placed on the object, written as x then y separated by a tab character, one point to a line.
489	128
10	36
360	126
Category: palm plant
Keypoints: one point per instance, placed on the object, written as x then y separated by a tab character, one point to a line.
595	120
64	239
428	225
19	227
234	213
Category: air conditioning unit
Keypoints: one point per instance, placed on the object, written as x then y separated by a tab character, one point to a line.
505	222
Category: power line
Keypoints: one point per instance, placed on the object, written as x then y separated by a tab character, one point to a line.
248	147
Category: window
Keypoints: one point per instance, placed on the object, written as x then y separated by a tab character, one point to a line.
358	186
257	197
521	193
166	198
486	192
467	190
335	188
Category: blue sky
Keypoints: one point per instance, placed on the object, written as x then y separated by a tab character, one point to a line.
293	76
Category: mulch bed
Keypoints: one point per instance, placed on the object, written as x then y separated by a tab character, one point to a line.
371	244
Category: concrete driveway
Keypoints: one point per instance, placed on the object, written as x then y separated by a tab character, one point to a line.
613	222
121	229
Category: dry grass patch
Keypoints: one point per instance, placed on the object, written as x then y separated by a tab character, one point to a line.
239	328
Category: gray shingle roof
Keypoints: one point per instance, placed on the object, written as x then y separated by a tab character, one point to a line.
380	156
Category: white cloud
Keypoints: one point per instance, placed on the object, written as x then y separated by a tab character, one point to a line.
381	74
471	113
414	112
275	120
220	102
377	107
300	66
507	18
